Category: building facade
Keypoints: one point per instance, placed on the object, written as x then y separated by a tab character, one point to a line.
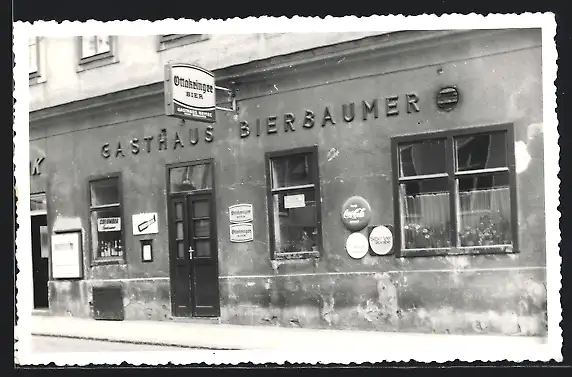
435	136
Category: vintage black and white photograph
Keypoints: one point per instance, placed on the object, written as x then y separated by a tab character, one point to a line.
278	186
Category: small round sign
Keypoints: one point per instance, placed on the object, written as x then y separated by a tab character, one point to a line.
356	213
357	245
381	240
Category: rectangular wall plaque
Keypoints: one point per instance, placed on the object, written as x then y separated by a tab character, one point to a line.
67	256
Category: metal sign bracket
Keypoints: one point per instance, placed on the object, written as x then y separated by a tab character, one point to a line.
232	95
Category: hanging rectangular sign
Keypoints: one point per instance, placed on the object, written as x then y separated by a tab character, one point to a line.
109	224
240	213
66	256
190	92
241	232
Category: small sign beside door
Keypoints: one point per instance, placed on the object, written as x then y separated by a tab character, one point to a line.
241	232
145	223
240	213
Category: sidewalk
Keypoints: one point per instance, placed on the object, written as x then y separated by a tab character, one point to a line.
220	336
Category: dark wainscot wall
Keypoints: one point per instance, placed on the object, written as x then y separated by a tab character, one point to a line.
498	76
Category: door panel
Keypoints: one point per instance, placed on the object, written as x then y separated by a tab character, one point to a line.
180	266
204	256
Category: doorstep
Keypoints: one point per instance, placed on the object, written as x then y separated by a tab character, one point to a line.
197	320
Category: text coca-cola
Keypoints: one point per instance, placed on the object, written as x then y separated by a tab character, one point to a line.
354	214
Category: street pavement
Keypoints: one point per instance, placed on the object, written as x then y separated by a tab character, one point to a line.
51	344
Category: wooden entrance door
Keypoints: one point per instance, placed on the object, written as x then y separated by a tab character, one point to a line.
193	252
203	256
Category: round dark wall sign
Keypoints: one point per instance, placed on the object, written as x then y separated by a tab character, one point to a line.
447	98
356	213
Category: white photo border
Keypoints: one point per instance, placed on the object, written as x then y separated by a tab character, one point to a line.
448	351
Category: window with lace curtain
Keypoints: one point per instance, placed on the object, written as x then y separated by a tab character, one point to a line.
455	192
293	190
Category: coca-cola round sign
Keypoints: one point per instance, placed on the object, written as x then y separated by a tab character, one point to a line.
356	213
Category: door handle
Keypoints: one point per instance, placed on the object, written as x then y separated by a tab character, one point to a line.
191	252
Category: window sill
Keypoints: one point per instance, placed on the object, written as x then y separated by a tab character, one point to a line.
173	42
35	78
104	262
296	255
455	251
97	61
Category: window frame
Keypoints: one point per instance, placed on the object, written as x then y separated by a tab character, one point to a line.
169	41
37	73
451	175
312	151
94	258
40	212
38	77
98	60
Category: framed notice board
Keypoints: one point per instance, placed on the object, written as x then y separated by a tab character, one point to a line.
67	256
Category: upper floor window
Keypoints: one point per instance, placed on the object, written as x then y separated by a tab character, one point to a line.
33	57
96	51
106	218
36	54
95	45
167	41
294	203
455	192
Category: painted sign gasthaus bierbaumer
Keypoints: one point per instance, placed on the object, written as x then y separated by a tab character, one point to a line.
240	213
145	223
241	232
190	92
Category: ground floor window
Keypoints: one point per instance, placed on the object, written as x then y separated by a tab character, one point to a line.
106	218
455	191
293	190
